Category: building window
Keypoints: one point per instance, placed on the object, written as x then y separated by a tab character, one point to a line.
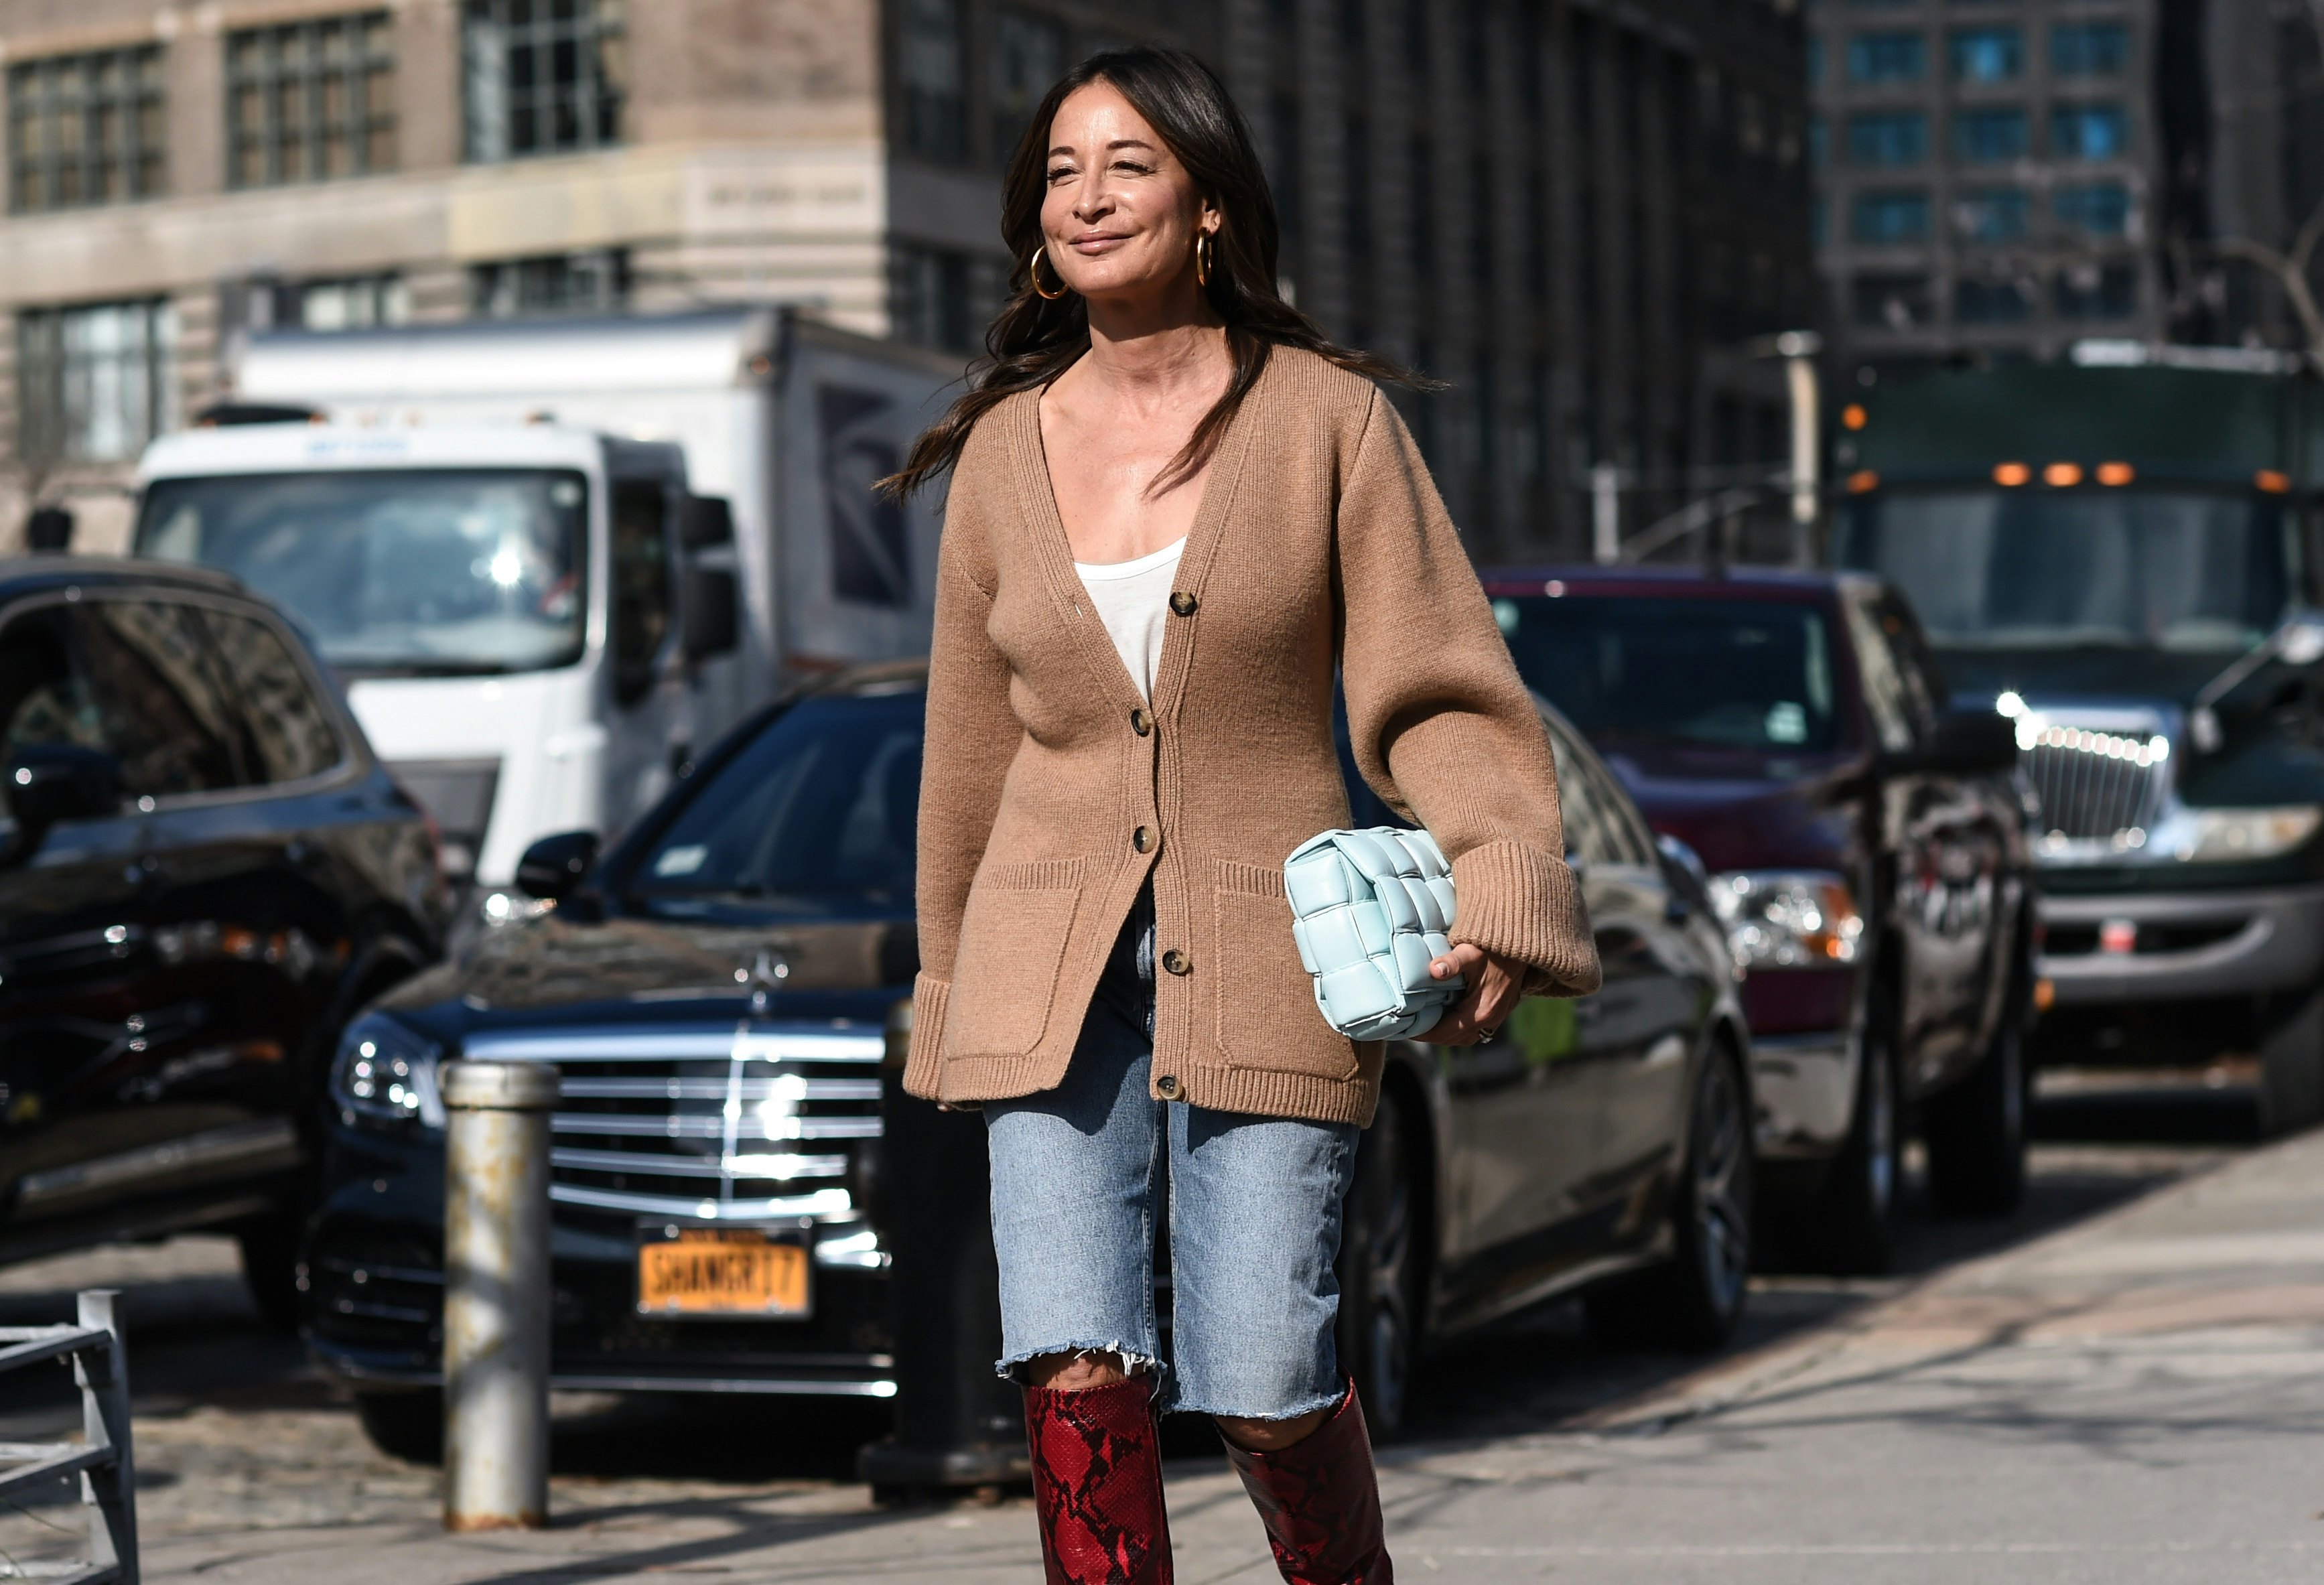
2089	49
1029	54
1887	58
930	301
543	77
2094	208
2089	131
94	383
310	100
1889	302
2091	292
86	129
1891	216
358	302
1988	55
928	67
1992	302
1993	214
593	283
1888	137
1990	136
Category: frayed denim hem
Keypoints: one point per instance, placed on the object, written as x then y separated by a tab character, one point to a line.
1174	1405
1012	1369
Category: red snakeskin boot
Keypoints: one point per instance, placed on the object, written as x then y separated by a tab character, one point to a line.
1097	1483
1321	1503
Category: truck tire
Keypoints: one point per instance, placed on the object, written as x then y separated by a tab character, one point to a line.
1380	1270
1976	1131
1694	1300
2291	1073
272	1271
1851	1228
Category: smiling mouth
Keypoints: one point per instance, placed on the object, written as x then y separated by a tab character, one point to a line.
1096	241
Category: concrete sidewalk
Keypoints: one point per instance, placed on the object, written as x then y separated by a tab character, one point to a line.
2136	1399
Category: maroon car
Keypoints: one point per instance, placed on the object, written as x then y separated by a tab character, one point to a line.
1865	847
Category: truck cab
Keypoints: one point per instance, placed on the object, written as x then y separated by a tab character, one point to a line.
2119	554
534	623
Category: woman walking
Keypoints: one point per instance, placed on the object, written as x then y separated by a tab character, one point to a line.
1175	511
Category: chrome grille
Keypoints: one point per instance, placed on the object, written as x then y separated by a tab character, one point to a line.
2096	780
741	1123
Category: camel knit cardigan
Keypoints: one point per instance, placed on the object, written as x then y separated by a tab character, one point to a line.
1050	792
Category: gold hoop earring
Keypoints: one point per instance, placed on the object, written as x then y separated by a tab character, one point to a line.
1034	269
1205	252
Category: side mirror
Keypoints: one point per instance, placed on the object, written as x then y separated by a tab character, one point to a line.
1962	742
552	867
52	782
704	521
708	613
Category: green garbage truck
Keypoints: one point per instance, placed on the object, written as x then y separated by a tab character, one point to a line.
2121	552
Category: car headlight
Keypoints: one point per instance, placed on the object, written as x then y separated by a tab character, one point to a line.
1787	920
386	1071
2217	836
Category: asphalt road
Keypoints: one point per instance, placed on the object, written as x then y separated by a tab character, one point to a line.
2121	1383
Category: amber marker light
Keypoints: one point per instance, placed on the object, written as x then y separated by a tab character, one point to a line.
2116	473
2274	482
2061	475
1863	482
1852	416
2010	475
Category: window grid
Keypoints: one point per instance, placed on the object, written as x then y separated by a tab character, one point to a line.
596	282
86	129
310	101
543	77
94	382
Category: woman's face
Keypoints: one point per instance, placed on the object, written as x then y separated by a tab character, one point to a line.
1121	214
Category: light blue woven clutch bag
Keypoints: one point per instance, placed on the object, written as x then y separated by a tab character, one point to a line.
1369	910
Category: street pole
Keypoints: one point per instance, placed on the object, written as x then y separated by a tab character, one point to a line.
496	1293
1606	513
1798	349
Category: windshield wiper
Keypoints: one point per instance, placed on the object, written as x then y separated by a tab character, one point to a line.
421	667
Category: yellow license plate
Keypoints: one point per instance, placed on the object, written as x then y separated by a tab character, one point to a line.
723	1271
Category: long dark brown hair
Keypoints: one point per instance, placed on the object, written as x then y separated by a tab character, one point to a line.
1034	339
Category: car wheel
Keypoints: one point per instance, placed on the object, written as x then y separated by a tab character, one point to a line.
1694	1300
272	1270
2291	1073
1852	1225
1976	1131
1378	1333
407	1425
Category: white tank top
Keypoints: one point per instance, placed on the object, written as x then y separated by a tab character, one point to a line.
1132	598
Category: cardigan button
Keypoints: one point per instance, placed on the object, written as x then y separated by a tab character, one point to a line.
1141	722
1182	603
1167	1086
1177	962
1142	838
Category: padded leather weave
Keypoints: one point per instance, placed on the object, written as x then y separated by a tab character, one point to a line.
1369	910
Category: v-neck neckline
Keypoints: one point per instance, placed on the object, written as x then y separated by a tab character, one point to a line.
1200	543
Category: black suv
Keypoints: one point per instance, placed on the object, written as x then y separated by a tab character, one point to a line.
203	873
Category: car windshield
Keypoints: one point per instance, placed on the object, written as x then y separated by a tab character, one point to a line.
818	807
2055	569
1726	673
412	572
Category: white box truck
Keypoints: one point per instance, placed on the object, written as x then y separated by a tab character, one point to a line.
553	559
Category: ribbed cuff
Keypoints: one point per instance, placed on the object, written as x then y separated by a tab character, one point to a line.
921	1067
1519	902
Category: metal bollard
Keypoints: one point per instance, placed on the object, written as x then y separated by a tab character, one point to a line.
496	1293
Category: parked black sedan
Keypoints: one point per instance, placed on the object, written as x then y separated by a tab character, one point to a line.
203	874
720	994
1871	853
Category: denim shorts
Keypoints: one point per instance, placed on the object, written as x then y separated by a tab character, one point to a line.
1254	1209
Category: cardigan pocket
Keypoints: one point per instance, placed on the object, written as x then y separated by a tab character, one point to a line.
1013	939
1268	1019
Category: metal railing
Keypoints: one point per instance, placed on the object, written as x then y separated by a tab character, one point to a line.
102	1460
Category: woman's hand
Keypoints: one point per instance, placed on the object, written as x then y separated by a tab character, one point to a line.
1493	982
